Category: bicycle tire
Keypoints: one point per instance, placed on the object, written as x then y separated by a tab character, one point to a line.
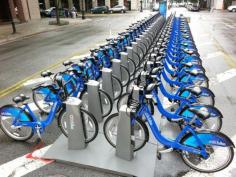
108	98
188	163
94	121
123	71
119	84
11	135
141	123
36	102
132	67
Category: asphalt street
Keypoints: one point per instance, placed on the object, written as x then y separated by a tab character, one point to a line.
214	37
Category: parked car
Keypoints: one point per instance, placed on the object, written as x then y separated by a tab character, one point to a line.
155	7
100	9
193	7
232	8
51	12
118	8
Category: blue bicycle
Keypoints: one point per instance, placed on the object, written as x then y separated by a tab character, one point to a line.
203	151
20	123
78	89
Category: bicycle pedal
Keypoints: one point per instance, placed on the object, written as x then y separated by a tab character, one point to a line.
166	150
158	156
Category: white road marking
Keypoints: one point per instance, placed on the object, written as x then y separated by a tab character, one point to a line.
205	43
226	75
23	165
223	76
214	54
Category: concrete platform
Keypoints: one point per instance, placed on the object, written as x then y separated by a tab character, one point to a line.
100	155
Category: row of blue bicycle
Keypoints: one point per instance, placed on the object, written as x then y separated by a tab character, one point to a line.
19	122
166	62
173	67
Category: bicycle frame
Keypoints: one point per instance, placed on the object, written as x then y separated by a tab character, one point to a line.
175	144
35	122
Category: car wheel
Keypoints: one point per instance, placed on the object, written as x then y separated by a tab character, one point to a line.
111	11
233	10
103	12
122	11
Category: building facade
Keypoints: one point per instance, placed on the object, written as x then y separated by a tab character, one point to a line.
19	10
88	4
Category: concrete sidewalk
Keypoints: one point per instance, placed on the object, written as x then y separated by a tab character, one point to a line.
33	27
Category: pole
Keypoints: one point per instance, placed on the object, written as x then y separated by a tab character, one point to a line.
83	17
57	12
12	20
141	8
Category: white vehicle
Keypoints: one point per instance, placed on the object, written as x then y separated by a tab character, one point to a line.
118	8
232	8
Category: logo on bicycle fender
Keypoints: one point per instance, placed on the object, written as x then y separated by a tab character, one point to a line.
215	142
72	122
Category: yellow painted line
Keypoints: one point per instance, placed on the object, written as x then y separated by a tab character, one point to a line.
19	84
228	58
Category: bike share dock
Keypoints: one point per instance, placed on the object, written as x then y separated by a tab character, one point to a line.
99	154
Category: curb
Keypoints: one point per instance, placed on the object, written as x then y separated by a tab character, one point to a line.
7	41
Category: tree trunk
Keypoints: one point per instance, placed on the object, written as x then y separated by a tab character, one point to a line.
57	12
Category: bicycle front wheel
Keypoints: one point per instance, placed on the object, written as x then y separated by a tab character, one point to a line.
219	156
140	131
90	123
39	96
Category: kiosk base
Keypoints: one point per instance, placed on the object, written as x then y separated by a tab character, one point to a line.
100	155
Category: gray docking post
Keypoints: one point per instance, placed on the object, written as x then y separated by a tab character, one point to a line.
107	84
116	68
124	142
94	100
76	127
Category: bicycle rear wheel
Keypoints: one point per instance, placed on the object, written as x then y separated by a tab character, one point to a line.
90	123
8	114
106	102
140	131
132	67
125	75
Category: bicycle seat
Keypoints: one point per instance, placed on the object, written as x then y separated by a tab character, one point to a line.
101	46
75	71
122	33
113	44
188	51
155	70
20	98
67	63
188	64
83	59
108	39
202	112
92	50
151	86
46	73
193	72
